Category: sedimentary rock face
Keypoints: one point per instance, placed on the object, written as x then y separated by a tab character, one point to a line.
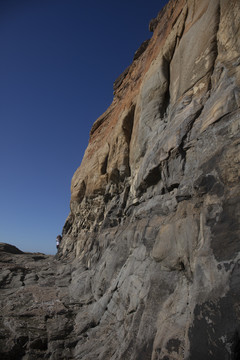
150	250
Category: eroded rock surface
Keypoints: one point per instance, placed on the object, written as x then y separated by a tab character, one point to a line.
150	257
36	311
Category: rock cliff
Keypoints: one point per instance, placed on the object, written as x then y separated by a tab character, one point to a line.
149	265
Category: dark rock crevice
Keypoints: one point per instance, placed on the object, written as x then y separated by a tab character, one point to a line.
127	127
103	169
215	44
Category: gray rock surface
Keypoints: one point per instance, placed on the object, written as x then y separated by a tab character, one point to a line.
149	264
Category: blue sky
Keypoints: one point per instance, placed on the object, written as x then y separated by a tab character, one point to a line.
59	59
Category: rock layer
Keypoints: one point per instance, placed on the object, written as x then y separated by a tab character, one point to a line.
150	257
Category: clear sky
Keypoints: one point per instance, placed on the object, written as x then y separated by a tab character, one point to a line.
58	62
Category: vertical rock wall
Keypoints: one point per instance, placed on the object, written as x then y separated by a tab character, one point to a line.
155	203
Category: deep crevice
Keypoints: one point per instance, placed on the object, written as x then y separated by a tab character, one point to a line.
166	99
172	187
215	45
182	150
127	125
181	266
127	128
103	169
152	178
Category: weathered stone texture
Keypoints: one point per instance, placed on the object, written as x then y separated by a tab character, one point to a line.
149	265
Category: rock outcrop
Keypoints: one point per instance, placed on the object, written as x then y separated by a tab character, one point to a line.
149	265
